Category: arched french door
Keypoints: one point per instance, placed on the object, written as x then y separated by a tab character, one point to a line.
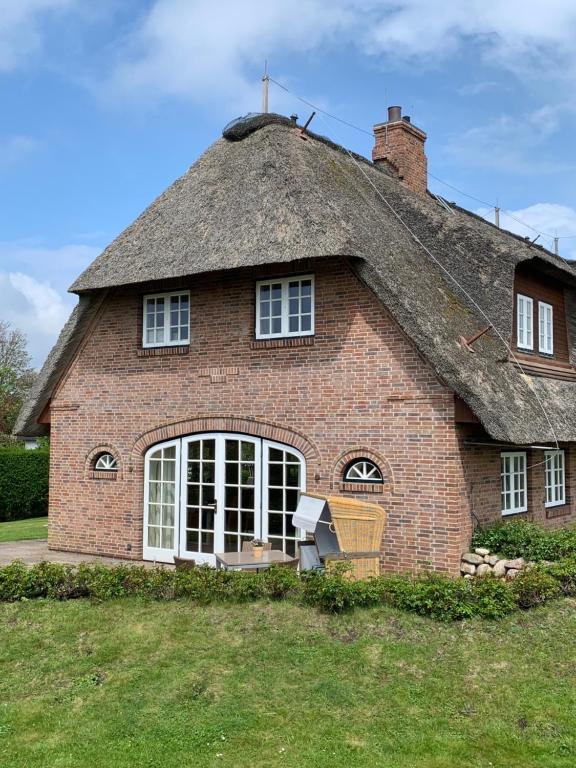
210	492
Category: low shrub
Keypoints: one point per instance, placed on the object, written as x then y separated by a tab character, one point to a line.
430	594
493	598
520	538
23	483
535	586
331	592
564	573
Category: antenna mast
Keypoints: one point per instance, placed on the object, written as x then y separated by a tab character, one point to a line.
265	84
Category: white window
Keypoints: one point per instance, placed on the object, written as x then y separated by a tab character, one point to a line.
555	482
285	307
105	462
513	475
546	323
524	322
166	319
363	471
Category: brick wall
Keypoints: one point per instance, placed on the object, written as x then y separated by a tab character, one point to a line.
482	471
401	145
358	386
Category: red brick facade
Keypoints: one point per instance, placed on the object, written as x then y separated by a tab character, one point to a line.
482	471
357	388
401	145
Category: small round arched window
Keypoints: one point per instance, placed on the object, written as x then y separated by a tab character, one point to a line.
105	462
363	471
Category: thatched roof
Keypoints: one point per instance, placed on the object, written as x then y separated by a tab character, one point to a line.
262	195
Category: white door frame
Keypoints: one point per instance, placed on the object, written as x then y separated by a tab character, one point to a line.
220	439
159	554
262	450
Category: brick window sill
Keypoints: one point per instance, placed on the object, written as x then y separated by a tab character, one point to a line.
363	487
103	475
560	511
297	341
163	351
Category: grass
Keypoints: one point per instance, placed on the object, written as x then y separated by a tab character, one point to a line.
18	530
157	685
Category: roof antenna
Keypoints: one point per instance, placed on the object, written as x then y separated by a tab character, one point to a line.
265	85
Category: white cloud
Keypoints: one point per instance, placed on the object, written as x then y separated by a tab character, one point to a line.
202	49
21	28
550	218
513	143
35	308
28	301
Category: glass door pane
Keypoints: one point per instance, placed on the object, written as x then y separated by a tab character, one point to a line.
199	501
240	503
284	478
161	503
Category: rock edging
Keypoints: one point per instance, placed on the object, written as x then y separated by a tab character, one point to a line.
481	562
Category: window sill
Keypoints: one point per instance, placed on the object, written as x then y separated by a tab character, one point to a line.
163	351
558	510
290	341
104	474
514	512
363	487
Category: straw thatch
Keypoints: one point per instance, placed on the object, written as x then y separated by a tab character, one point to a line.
264	195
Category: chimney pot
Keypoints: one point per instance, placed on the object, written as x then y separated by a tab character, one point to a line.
394	114
406	118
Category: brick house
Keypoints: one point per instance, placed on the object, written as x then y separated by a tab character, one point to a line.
289	315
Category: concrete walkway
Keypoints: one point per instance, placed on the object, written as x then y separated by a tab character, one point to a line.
36	551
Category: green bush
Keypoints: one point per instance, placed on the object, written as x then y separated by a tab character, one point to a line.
535	586
23	483
529	540
564	573
437	596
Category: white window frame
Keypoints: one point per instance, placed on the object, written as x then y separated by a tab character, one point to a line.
545	340
368	472
166	342
106	462
555	491
513	485
285	325
524	311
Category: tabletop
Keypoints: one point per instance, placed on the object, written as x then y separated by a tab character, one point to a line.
248	560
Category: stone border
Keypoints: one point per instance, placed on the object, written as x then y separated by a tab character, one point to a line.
481	563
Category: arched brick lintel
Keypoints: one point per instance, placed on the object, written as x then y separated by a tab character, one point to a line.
360	452
90	457
255	427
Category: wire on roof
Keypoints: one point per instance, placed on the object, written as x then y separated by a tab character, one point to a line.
436	178
461	288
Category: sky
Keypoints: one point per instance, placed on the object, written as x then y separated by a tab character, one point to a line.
104	104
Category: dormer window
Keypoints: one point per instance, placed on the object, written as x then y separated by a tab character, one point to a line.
166	319
285	307
546	328
524	324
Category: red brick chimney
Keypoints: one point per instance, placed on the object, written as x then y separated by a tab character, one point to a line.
400	145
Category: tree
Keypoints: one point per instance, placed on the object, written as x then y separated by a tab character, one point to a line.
16	374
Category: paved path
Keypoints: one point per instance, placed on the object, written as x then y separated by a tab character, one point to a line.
36	550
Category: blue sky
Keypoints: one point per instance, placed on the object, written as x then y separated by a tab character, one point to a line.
103	107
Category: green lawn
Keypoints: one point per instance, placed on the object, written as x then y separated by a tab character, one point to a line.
17	530
131	683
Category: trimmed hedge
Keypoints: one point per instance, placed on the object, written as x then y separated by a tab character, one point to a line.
23	483
519	538
434	595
